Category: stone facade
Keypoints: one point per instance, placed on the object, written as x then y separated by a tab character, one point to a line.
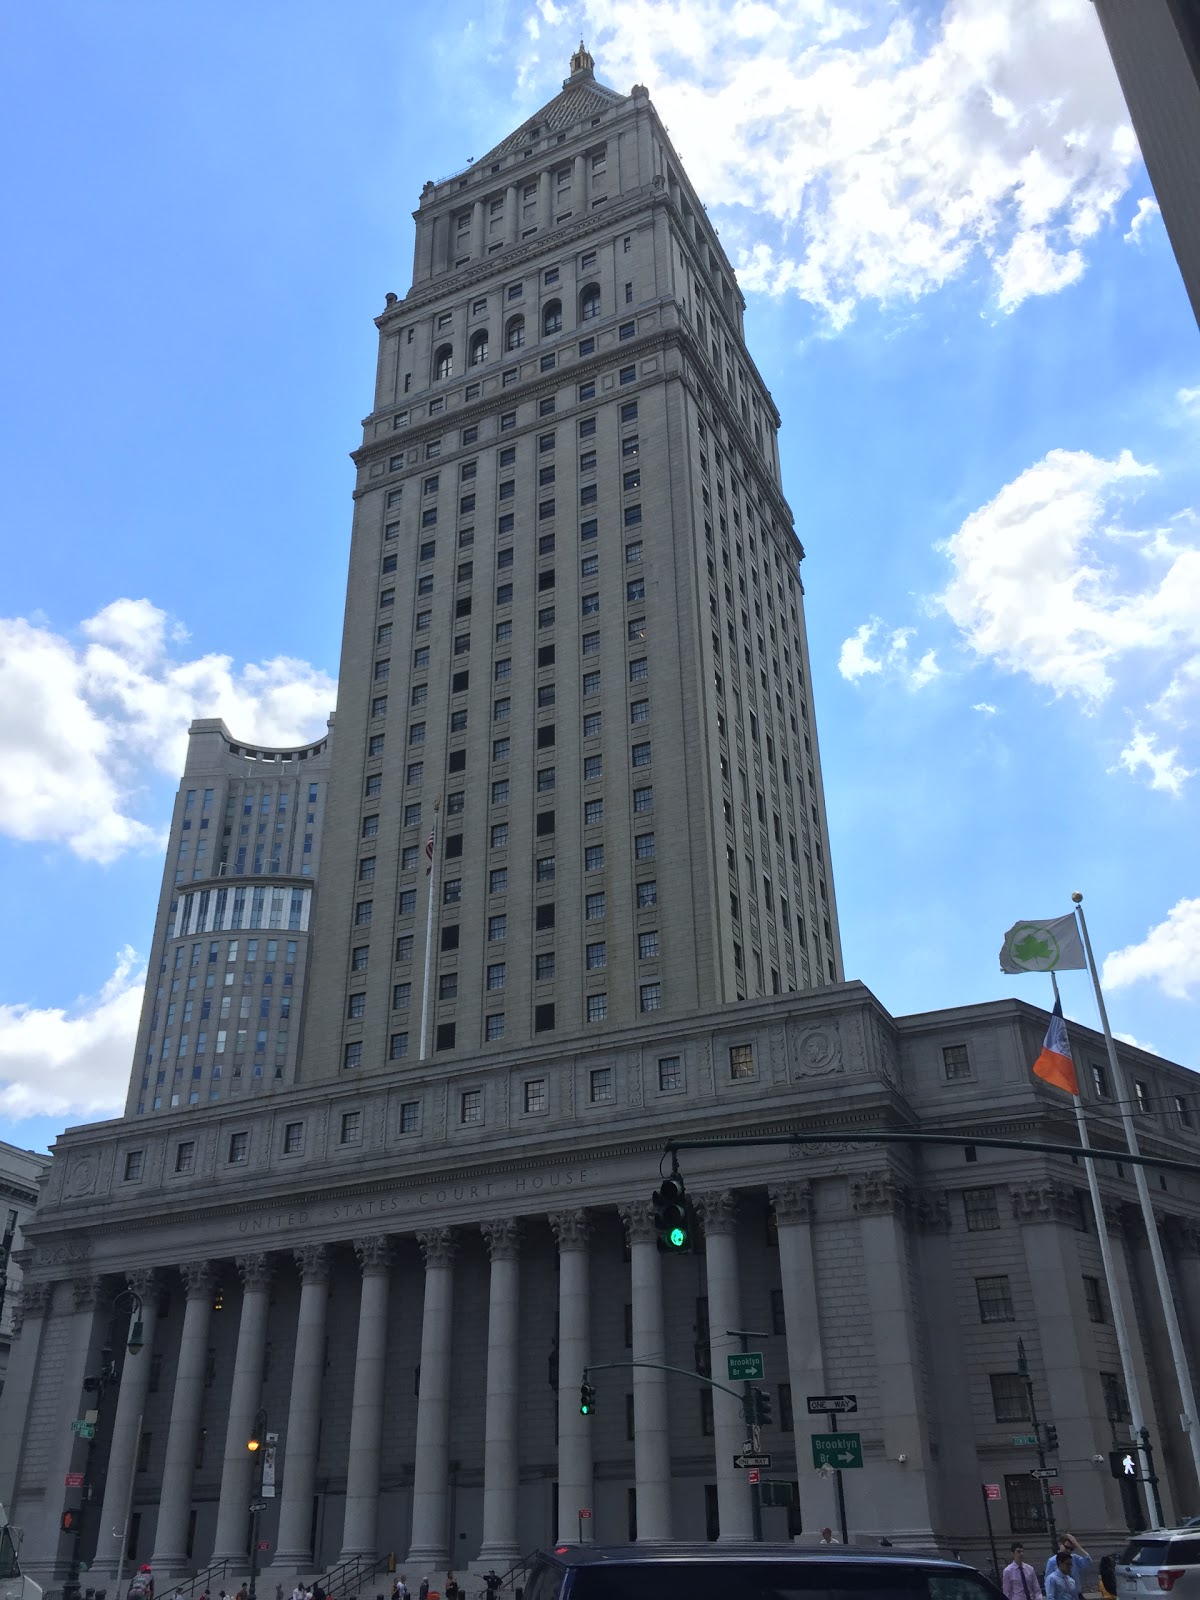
413	1303
21	1171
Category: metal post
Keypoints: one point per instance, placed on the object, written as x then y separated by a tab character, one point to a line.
841	1491
129	1505
258	1503
748	1414
1188	1420
987	1512
1023	1369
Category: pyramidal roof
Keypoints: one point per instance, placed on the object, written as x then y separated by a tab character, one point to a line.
580	99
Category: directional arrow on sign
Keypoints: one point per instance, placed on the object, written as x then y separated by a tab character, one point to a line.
750	1460
1043	1472
818	1404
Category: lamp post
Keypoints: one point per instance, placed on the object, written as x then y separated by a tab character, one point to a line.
95	1384
1047	1503
256	1444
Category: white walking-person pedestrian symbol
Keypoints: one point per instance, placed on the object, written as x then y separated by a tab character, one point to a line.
1129	1465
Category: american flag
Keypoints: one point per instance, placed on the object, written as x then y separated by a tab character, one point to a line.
429	849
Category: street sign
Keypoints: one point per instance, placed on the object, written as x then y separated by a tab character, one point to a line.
585	1511
742	1367
748	1444
750	1460
1057	1490
1024	1438
754	1475
85	1430
258	1505
264	1544
1043	1472
991	1491
73	1480
818	1403
837	1450
755	1438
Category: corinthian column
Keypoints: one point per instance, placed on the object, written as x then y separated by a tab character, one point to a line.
127	1426
574	1353
366	1414
501	1458
292	1547
651	1427
245	1397
175	1495
431	1466
29	1318
719	1210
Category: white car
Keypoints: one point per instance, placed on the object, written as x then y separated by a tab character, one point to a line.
1166	1561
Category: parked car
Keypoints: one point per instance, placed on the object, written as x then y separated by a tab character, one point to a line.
1166	1561
755	1572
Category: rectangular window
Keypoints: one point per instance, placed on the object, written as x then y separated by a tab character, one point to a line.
956	1061
593	812
293	1139
351	1127
535	1094
134	1163
995	1299
592	724
639	711
239	1148
544	968
410	1116
670	1072
1093	1299
980	1210
593	858
648	946
1010	1397
498	880
593	768
643	798
1116	1401
398	1048
647	894
594	907
651	997
1026	1505
644	846
601	1078
471	1106
596	955
495	975
741	1061
1099	1081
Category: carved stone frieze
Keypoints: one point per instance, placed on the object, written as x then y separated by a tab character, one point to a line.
81	1177
438	1246
880	1193
1045	1202
64	1253
718	1211
199	1278
633	1079
313	1262
255	1272
638	1217
374	1254
85	1292
816	1052
1183	1234
792	1201
503	1237
571	1229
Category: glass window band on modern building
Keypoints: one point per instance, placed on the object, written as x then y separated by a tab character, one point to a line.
249	906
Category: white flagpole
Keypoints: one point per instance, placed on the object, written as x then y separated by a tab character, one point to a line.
1187	1417
434	878
1133	1394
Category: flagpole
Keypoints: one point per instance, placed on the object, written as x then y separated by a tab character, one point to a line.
1132	1392
433	891
1187	1397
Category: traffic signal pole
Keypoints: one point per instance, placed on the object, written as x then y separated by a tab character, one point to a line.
841	1488
748	1412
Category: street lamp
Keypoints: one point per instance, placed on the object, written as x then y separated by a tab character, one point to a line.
256	1444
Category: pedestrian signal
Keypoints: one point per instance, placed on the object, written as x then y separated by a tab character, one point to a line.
1051	1436
587	1399
1123	1464
760	1405
673	1217
70	1519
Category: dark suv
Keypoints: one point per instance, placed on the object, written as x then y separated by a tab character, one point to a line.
749	1572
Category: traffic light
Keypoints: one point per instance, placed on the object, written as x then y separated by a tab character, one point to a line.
1051	1436
70	1520
587	1399
91	1384
673	1216
760	1407
254	1442
1123	1464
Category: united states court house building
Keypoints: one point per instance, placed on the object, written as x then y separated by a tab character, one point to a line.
428	996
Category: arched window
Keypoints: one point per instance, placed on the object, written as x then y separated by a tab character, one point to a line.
515	337
443	362
589	303
552	317
479	347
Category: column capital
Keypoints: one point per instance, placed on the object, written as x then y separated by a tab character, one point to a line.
313	1262
880	1193
638	1217
718	1211
374	1254
933	1211
438	1246
199	1278
146	1282
1184	1235
85	1292
33	1300
1045	1202
503	1237
256	1271
571	1229
791	1201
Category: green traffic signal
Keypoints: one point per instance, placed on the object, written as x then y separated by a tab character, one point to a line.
587	1399
672	1215
677	1238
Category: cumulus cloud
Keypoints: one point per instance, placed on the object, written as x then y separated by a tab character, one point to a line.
1046	584
1168	956
72	1061
1164	766
855	660
860	150
86	723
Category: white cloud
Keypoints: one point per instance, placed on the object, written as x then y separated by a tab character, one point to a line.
85	725
1045	584
1147	210
72	1062
985	707
1165	769
866	151
1169	955
855	660
1138	1044
1189	399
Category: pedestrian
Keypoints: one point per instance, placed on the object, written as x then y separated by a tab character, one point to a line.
1108	1578
827	1536
241	1594
1080	1561
423	1591
1061	1582
402	1588
278	1592
299	1592
451	1590
492	1581
1020	1581
316	1592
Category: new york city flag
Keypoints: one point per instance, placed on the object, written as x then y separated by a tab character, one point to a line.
1055	1064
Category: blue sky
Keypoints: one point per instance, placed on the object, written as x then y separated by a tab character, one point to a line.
959	292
